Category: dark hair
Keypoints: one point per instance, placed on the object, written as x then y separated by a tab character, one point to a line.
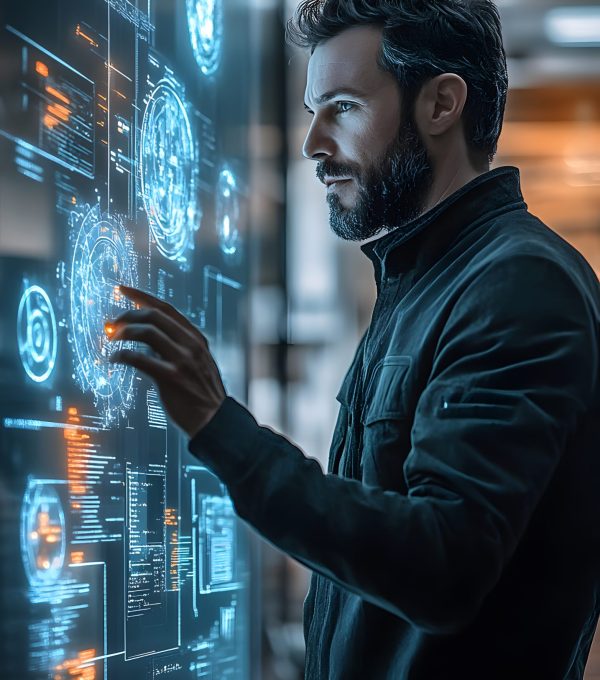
423	39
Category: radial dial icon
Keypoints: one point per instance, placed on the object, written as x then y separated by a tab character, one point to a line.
43	543
36	333
205	23
168	170
103	258
228	212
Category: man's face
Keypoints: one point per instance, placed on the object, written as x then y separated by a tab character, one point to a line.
360	138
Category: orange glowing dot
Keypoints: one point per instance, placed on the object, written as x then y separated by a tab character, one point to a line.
72	411
109	329
41	68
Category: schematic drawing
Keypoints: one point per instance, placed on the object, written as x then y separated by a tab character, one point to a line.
228	212
205	23
43	541
103	258
168	170
37	333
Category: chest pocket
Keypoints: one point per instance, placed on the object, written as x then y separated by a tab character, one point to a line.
387	421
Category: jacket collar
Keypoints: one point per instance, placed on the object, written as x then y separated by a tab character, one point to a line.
495	191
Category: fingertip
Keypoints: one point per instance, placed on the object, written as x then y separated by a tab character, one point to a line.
110	328
116	357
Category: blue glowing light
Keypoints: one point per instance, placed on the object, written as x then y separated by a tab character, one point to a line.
228	212
205	23
168	170
36	334
103	258
43	540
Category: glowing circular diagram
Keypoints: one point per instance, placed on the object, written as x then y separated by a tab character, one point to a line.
36	334
168	168
43	542
228	212
205	23
103	258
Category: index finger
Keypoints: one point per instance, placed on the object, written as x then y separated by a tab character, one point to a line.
148	300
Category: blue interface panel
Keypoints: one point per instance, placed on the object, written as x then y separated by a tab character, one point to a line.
123	159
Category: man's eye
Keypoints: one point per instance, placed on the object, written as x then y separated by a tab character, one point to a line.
344	107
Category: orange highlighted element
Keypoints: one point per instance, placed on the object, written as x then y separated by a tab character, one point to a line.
77	556
72	411
41	69
171	517
109	328
77	668
59	111
50	121
59	95
85	36
73	200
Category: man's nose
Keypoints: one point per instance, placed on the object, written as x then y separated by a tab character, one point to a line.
318	143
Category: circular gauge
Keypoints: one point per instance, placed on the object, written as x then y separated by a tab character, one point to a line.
43	543
103	258
205	23
228	212
168	169
36	334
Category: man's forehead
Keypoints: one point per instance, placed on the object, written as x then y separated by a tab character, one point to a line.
348	59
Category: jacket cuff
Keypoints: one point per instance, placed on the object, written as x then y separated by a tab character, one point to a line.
226	444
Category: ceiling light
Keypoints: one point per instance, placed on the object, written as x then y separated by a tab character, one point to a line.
577	26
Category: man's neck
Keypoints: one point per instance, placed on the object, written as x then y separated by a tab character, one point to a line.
447	183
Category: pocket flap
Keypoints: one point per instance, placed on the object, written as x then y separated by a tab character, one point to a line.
386	396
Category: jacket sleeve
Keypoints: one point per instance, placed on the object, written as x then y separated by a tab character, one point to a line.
512	376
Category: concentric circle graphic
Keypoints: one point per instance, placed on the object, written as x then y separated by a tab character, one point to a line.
205	23
43	540
168	168
103	258
36	334
228	212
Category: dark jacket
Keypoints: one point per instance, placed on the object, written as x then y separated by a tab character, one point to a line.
457	532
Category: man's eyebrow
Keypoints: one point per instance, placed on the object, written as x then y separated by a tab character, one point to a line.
328	96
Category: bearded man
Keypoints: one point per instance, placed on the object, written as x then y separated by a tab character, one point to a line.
456	532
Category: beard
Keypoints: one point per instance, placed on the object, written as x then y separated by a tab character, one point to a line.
391	193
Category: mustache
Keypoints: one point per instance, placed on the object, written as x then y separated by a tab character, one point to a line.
331	169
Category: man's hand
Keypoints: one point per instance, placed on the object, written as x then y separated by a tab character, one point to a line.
183	369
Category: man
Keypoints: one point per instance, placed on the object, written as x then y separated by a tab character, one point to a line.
456	532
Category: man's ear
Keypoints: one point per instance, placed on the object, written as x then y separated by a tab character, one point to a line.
440	104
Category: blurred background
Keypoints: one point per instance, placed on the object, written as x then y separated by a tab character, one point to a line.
314	293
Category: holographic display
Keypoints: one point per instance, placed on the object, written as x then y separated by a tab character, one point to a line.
37	334
103	257
205	23
42	533
228	212
120	555
168	168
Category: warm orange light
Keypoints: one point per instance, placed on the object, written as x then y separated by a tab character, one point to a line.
80	33
59	95
109	329
50	121
59	111
41	68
